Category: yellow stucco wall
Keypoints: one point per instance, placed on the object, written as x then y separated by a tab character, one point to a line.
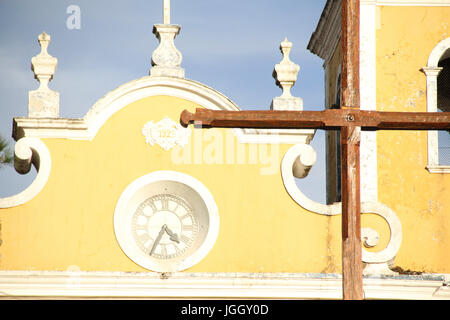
405	39
70	222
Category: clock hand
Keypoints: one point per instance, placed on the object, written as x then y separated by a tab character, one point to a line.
158	238
173	235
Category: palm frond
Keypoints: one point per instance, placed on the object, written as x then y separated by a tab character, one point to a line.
6	155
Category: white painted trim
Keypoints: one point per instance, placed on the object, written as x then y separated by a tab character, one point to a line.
115	285
437	53
87	128
136	191
275	136
29	151
438	169
368	85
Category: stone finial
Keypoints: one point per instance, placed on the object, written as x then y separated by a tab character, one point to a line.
43	102
166	59
285	74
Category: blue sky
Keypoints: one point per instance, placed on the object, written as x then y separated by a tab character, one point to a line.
231	46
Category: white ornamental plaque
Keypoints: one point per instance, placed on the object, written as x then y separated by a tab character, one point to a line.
167	133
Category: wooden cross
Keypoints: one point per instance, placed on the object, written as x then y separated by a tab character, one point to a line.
350	120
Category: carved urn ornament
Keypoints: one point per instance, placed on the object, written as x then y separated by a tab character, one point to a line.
43	102
285	74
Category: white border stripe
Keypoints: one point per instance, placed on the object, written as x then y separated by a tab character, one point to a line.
68	284
368	151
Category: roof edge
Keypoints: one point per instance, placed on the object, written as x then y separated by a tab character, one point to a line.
324	39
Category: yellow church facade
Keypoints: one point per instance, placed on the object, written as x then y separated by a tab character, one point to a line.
127	203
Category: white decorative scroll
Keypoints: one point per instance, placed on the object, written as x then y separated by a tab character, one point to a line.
27	152
167	133
301	155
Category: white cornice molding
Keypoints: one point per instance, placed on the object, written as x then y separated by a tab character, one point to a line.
275	136
87	127
114	285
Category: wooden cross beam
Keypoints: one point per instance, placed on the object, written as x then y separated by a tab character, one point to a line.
350	120
329	119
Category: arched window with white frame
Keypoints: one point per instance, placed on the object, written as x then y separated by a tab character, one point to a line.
443	104
438	100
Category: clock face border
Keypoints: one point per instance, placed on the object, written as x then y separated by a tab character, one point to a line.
155	182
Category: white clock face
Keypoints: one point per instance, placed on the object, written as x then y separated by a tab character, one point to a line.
165	226
166	221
